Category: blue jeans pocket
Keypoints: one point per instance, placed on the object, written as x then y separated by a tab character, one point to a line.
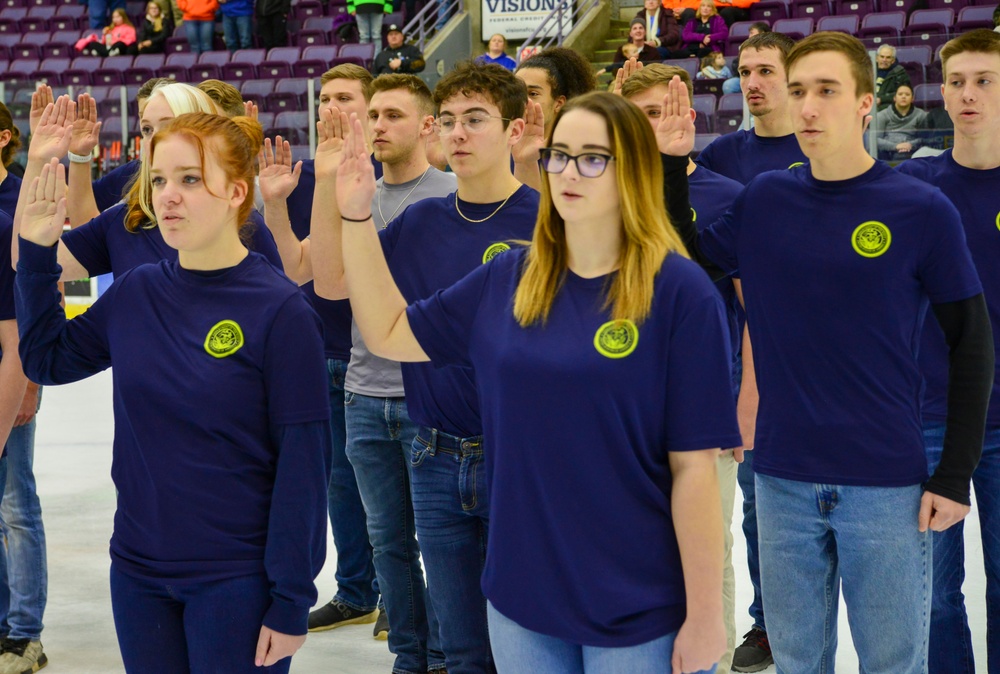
348	399
418	452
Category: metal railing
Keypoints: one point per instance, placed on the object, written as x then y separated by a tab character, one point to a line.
556	27
431	18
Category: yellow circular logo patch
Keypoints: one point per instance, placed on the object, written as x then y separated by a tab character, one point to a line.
616	339
871	239
224	339
998	220
694	215
798	163
494	250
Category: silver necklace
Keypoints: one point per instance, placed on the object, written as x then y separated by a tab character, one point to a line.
385	220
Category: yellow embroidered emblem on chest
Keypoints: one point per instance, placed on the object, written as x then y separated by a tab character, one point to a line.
616	339
871	239
494	250
224	339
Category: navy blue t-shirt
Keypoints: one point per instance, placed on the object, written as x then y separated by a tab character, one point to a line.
104	246
743	155
429	247
10	188
211	371
579	415
837	278
974	194
6	271
109	189
711	196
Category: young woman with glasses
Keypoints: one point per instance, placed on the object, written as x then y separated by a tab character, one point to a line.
602	366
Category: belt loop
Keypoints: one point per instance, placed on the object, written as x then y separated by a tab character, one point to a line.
434	442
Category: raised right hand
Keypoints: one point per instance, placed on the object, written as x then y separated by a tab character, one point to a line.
331	129
45	212
52	135
86	129
356	175
631	67
675	133
526	150
40	98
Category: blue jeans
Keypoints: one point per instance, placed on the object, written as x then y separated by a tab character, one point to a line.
744	476
23	570
451	505
951	640
379	431
199	35
370	29
99	11
521	650
812	536
238	32
731	86
196	628
356	584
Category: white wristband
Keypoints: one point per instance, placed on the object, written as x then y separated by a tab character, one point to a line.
79	158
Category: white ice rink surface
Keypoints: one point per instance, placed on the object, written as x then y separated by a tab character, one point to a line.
72	466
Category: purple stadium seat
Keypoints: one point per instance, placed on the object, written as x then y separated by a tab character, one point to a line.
929	27
309	68
286	54
983	2
102	92
311	38
13	13
282	102
738	32
702	140
11	3
238	72
111	129
882	26
217	58
710	87
178	66
731	102
61	23
809	9
690	65
325	53
42	11
362	51
57	65
274	69
204	71
75	11
187	60
37	39
257	91
292	126
927	96
846	23
24	51
51	50
266	120
920	54
300	152
704	105
177	45
79	71
298	87
20	68
33	25
898	5
973	17
9	27
323	23
251	56
306	9
768	10
915	72
794	28
144	67
112	71
66	36
109	107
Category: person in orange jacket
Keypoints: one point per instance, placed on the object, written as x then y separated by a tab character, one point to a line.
199	23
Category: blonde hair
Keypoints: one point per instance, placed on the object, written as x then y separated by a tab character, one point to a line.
181	99
715	10
648	235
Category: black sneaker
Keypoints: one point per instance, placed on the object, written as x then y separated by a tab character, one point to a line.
336	614
381	631
754	654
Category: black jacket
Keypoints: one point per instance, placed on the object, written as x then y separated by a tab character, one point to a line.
412	60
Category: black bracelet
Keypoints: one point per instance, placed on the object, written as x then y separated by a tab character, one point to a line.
353	220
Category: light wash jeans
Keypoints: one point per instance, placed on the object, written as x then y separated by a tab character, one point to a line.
370	29
951	640
200	35
23	570
522	651
813	537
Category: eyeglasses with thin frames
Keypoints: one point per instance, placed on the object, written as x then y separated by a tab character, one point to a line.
472	122
588	164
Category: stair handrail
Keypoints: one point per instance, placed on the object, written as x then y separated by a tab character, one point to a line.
563	18
428	20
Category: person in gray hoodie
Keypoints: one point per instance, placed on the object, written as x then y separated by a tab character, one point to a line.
899	126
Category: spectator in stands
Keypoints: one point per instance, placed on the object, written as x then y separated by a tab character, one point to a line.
707	32
154	31
732	85
889	75
683	10
713	67
899	126
496	53
368	14
637	47
199	23
117	38
237	23
398	57
272	22
98	11
662	29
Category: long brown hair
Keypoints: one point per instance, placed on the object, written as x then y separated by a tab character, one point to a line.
647	233
11	148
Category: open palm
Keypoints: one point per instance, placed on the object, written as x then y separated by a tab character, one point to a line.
675	133
356	175
45	212
53	134
278	178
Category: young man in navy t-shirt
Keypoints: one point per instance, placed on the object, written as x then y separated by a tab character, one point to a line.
711	196
433	244
838	281
969	175
769	146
